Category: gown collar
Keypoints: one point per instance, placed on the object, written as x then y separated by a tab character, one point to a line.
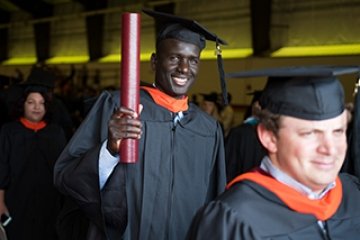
172	104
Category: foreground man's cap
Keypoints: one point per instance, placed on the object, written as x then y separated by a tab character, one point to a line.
306	92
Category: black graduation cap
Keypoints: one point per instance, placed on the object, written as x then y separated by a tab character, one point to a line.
4	80
210	97
306	92
42	77
256	95
188	30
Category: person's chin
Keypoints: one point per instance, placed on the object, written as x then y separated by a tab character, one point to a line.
35	120
179	92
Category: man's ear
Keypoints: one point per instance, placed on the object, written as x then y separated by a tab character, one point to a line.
153	61
267	138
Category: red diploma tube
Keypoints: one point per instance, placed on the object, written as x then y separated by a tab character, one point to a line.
130	78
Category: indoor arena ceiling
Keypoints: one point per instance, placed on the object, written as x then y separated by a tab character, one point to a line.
43	29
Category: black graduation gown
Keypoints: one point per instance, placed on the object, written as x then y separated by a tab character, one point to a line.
243	150
27	159
249	211
179	169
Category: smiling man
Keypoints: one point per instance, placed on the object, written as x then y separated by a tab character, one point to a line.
297	192
176	66
181	155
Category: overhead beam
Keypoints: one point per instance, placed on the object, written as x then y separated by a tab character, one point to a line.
4	35
166	8
260	26
39	9
42	41
94	28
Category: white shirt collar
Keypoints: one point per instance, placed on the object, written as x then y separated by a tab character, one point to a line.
282	177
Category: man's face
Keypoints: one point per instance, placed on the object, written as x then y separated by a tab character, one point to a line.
176	65
311	152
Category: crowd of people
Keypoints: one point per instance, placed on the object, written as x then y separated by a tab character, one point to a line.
278	175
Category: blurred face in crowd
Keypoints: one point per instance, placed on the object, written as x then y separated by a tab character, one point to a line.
176	66
311	152
34	107
208	107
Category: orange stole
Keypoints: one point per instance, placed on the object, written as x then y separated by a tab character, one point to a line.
322	208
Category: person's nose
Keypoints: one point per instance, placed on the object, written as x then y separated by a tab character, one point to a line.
37	106
183	66
327	145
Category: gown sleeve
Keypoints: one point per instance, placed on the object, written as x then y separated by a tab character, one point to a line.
4	158
218	222
218	175
76	171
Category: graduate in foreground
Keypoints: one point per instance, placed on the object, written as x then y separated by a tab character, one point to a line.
297	192
181	162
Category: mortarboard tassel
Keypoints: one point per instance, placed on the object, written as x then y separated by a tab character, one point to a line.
221	74
355	133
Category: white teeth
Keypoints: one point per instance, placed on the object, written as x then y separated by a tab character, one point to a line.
180	81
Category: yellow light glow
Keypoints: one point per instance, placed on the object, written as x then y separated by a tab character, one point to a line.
68	59
329	50
113	58
298	51
206	55
227	53
110	58
20	61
